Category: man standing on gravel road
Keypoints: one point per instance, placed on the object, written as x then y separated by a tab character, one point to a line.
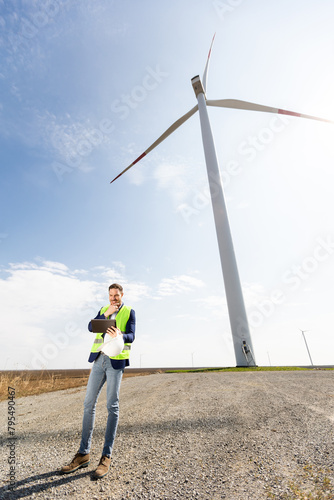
108	369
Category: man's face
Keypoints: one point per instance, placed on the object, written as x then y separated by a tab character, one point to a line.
115	297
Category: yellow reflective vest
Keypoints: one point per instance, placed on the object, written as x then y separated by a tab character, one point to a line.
122	318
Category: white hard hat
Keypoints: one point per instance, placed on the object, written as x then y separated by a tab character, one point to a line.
113	346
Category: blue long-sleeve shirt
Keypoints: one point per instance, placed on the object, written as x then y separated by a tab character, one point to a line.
128	338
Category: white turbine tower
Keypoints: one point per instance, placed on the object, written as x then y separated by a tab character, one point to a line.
242	341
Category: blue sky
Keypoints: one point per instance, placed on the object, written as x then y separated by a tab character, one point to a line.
86	87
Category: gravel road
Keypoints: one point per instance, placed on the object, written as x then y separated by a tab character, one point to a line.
250	435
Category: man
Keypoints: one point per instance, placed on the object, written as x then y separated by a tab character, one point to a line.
108	369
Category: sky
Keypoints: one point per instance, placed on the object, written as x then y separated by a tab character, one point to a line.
86	87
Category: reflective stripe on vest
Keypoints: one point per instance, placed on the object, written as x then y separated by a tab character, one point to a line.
122	318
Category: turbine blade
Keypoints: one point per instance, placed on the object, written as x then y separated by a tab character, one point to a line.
169	131
205	74
235	103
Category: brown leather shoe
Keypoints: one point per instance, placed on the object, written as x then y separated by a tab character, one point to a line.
78	461
103	467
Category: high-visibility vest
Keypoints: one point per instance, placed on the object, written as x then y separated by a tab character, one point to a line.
121	321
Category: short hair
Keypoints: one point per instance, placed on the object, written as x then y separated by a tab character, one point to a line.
116	285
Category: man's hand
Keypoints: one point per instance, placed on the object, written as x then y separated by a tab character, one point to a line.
111	310
113	331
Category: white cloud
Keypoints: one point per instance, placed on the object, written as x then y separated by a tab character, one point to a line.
71	139
42	305
172	177
112	274
133	292
178	284
35	294
178	179
185	184
46	308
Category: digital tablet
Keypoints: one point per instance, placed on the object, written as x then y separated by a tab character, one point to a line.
102	325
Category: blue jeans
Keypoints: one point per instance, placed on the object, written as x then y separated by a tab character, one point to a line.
102	371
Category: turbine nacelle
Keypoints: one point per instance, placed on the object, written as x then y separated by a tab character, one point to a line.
198	86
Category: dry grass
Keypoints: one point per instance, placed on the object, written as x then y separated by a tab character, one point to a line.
28	384
32	382
321	486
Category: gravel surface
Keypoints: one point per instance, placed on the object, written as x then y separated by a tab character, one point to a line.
250	435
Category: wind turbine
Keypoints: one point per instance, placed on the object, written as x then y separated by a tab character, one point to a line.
308	350
242	341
